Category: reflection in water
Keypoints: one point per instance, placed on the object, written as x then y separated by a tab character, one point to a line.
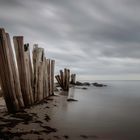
71	93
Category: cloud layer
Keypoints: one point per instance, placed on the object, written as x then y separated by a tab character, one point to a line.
94	38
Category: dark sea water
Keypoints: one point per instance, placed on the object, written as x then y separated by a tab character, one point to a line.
107	113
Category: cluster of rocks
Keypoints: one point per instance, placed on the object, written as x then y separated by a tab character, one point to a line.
98	85
82	84
89	84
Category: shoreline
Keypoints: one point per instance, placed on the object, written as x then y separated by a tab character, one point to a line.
34	122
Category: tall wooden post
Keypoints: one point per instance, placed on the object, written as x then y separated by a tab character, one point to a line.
38	56
49	75
29	72
41	81
23	67
52	76
46	90
15	74
6	75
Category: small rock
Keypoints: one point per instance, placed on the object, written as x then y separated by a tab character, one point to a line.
70	99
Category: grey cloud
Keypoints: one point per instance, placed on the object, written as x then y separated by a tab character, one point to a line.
91	37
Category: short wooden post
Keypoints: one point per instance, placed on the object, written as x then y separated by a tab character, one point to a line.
62	77
23	68
68	79
6	75
73	78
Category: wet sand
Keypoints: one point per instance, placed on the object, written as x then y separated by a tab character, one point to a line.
38	122
97	113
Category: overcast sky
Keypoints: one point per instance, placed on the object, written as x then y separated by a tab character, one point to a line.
96	39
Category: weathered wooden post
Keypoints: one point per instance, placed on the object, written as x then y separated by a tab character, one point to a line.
29	63
7	75
45	90
67	78
29	72
23	68
15	74
49	76
52	76
38	64
73	78
59	81
62	77
41	81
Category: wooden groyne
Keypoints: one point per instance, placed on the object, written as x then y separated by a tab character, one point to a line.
25	79
64	79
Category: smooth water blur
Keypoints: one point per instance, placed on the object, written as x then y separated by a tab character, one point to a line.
111	113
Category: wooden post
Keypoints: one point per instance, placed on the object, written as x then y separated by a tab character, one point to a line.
46	91
65	77
68	79
38	56
49	74
23	68
73	78
27	52
28	71
62	77
15	74
41	81
59	81
6	75
52	77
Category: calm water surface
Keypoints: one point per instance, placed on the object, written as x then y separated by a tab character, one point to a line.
110	113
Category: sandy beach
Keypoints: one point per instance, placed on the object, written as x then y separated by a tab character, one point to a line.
106	113
38	122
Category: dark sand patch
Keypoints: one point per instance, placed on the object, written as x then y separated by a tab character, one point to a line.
66	136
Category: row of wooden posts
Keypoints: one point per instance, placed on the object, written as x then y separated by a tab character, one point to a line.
25	80
64	79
